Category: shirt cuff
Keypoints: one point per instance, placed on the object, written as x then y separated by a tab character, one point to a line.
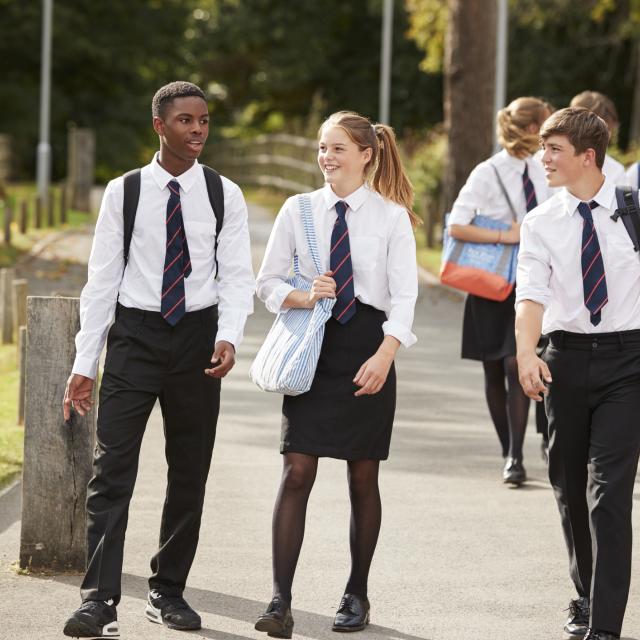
399	332
85	367
541	297
278	296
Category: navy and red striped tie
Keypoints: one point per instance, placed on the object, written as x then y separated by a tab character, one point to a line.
177	263
594	283
529	189
340	264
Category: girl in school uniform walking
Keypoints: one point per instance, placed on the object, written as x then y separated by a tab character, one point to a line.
504	187
363	223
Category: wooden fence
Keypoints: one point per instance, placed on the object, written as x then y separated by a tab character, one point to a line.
281	161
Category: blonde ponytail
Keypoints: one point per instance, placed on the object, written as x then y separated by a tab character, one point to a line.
513	122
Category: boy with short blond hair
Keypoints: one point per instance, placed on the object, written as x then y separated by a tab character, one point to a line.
579	282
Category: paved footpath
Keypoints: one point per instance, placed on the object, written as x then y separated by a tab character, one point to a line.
460	557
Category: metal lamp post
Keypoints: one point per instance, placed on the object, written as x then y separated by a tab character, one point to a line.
43	170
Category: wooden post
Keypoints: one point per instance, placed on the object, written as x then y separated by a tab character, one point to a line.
8	217
19	305
63	203
6	312
22	368
24	216
57	455
38	205
51	220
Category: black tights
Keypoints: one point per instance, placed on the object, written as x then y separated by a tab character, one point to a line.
508	405
298	476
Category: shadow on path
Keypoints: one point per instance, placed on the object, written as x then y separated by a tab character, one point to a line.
10	506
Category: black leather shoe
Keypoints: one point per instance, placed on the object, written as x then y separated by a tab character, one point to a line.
277	620
172	611
577	623
592	634
352	614
514	472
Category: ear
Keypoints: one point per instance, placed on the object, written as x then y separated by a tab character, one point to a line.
533	128
158	125
590	157
367	154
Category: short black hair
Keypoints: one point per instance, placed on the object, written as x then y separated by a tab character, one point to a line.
167	94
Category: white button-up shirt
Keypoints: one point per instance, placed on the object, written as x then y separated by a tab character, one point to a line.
631	176
482	193
550	268
383	254
140	286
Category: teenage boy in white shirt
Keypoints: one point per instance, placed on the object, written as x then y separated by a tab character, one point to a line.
579	282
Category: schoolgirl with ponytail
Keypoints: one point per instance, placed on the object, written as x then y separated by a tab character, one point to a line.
363	223
488	330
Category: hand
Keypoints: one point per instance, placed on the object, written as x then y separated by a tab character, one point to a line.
323	286
511	236
77	395
533	373
373	374
224	357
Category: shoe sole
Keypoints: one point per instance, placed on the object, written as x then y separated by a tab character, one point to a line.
273	628
515	482
77	629
154	615
360	627
573	636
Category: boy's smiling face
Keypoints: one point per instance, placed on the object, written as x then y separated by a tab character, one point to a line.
563	166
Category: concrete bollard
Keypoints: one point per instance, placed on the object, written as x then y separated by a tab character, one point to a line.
6	298
19	305
57	455
22	369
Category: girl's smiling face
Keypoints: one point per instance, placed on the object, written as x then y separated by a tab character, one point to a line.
341	160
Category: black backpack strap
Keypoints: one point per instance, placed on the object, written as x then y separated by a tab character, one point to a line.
216	198
130	208
629	210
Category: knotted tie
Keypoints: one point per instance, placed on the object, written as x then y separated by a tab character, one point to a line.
529	189
594	283
177	263
340	265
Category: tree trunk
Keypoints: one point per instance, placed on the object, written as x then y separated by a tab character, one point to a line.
469	89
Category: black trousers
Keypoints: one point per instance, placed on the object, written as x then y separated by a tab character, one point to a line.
147	359
593	408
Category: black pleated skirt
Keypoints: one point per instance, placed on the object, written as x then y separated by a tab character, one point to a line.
488	330
329	420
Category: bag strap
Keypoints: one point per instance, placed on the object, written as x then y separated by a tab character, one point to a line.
130	208
629	210
505	194
216	198
131	198
304	205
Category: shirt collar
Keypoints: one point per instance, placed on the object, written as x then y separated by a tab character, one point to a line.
354	200
517	164
162	177
605	197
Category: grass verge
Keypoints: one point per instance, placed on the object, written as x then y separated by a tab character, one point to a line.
11	435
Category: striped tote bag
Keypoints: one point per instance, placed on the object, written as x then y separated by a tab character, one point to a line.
287	360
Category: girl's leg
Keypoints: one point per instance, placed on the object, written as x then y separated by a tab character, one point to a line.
366	514
517	409
298	476
496	394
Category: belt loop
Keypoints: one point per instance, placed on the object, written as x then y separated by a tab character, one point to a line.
620	340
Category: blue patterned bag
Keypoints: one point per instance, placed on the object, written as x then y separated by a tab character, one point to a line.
287	360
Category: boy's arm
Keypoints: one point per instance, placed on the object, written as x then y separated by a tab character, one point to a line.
532	370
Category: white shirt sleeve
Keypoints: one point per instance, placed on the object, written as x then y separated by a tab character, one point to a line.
276	264
631	176
476	195
235	273
534	267
402	273
99	295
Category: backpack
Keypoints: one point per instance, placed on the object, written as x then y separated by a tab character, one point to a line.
629	210
132	196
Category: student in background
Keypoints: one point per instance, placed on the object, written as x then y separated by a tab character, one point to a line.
488	331
603	106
